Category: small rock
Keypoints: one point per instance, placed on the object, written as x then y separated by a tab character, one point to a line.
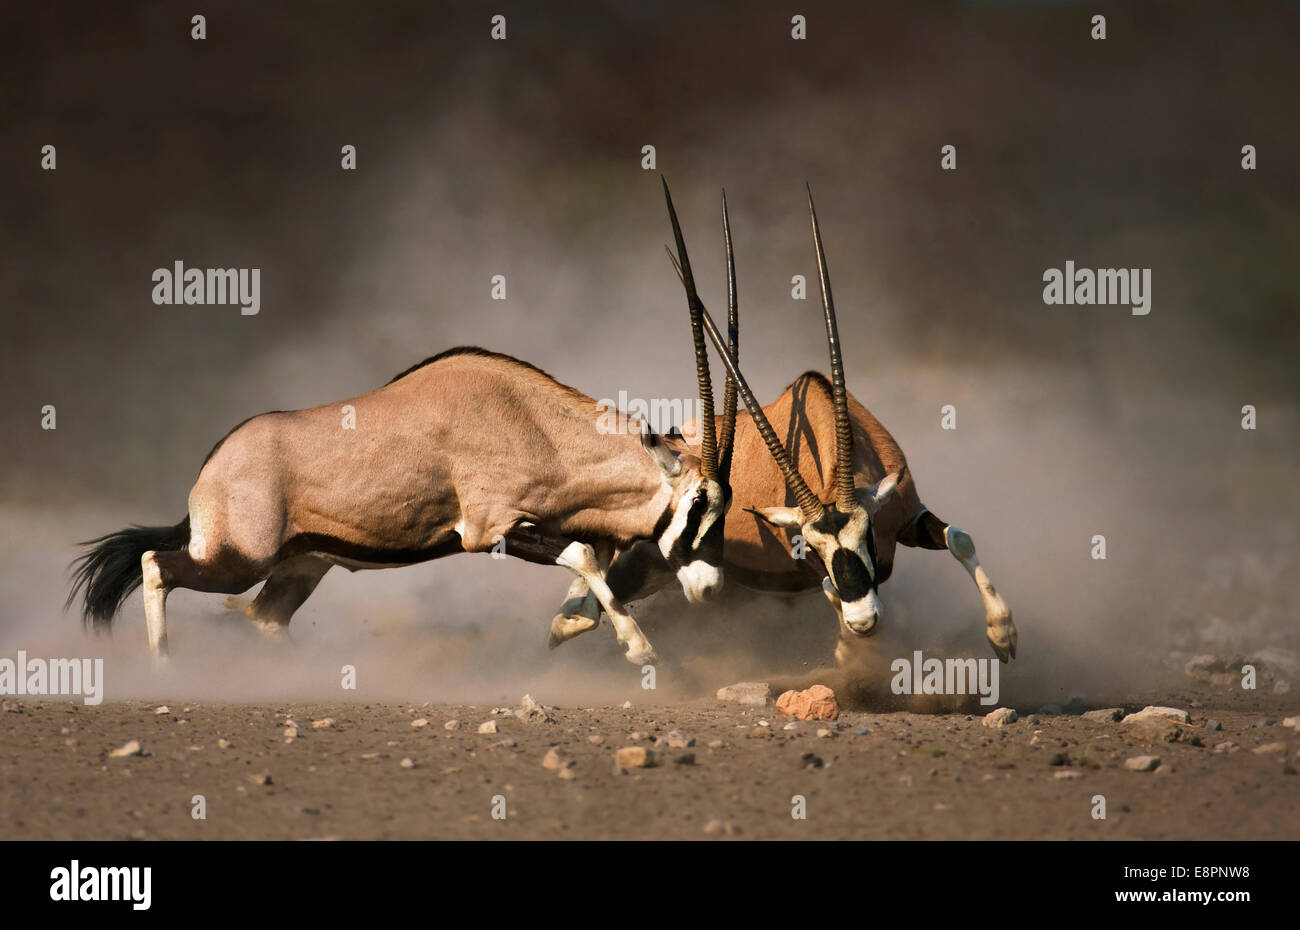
1168	713
568	773
555	760
1001	717
407	762
638	736
1292	722
1032	720
489	726
1142	763
1067	774
760	733
1263	722
162	709
262	778
1269	749
721	826
451	725
1213	725
419	723
1226	746
715	744
324	723
531	712
1105	715
811	760
627	705
861	731
502	712
816	703
824	733
131	748
791	726
636	757
747	692
675	739
223	744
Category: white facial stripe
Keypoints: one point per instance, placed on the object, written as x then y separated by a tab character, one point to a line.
678	524
706	523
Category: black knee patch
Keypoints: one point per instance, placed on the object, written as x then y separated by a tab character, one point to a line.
924	532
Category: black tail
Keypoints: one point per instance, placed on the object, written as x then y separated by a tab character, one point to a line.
110	570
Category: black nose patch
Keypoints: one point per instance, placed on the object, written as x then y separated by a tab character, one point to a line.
852	580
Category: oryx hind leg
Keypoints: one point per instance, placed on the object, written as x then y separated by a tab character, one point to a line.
164	571
929	532
290	583
580	559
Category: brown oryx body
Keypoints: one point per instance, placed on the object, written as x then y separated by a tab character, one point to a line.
848	499
470	451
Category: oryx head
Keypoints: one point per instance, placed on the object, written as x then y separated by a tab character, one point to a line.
692	538
839	534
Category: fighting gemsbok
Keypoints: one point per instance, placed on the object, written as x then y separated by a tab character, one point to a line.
848	497
468	451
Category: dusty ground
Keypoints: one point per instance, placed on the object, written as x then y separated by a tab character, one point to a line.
882	776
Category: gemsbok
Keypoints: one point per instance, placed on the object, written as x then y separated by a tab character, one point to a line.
848	496
468	451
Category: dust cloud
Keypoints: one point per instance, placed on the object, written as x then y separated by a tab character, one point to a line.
476	160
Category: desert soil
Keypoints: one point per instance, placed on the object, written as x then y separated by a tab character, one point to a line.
874	776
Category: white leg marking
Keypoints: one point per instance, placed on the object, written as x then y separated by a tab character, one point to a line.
580	559
155	608
1001	630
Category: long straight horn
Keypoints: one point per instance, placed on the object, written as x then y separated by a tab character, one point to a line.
733	349
812	508
708	437
844	497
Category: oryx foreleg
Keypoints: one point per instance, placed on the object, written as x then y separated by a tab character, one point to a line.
580	611
929	532
580	559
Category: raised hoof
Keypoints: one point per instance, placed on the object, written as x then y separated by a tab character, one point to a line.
1003	637
643	656
564	628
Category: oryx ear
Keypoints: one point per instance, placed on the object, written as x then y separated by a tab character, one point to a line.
788	518
879	493
658	450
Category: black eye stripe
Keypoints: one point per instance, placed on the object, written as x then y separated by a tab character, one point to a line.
851	578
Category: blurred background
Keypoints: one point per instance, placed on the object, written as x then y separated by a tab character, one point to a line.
523	158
